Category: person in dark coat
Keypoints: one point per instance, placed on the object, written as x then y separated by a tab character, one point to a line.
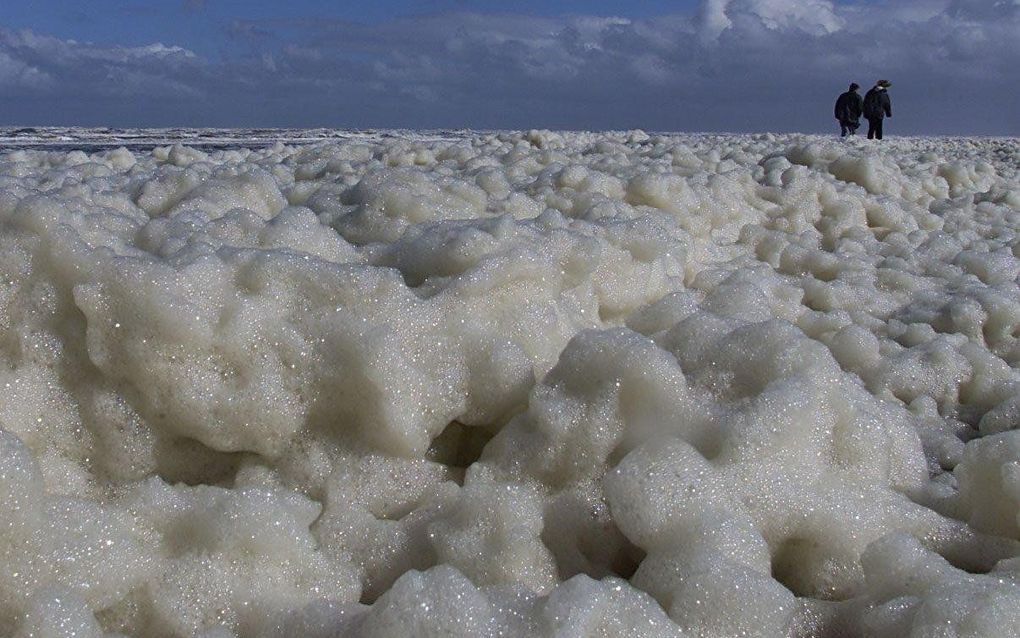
849	107
877	107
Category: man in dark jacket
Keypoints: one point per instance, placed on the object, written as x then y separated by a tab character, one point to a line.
877	107
848	111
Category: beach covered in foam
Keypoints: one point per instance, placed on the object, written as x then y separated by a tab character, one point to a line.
512	384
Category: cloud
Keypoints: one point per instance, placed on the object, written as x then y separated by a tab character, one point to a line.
15	74
815	17
66	57
48	80
984	9
732	65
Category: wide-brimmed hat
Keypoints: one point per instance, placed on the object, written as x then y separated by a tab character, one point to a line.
885	84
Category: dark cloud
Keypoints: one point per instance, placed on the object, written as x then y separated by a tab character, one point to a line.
739	65
984	9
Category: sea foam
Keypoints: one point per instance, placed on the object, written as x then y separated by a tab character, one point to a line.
512	384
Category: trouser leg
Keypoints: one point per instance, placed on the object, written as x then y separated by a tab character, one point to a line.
871	129
844	130
878	128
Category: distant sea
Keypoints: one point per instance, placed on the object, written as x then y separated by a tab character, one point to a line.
90	140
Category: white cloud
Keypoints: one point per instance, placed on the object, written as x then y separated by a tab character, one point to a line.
52	66
713	18
815	17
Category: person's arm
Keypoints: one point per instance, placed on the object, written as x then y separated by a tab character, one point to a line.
888	106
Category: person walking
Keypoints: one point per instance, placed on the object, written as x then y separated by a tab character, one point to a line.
877	107
849	107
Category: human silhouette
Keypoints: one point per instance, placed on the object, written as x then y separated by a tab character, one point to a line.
877	107
849	107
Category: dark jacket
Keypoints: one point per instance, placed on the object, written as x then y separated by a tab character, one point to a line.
877	104
849	107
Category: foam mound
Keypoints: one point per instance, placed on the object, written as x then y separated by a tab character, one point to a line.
514	384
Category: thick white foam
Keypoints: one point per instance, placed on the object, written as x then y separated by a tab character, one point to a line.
512	384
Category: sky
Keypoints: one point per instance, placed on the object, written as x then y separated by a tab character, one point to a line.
658	65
